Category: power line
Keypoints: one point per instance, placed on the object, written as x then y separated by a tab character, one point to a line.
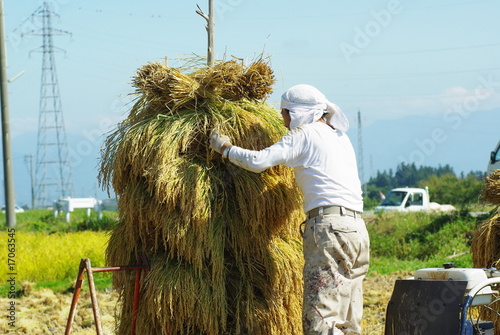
403	52
409	74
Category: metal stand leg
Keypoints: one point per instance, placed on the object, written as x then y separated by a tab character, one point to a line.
85	265
137	290
93	297
76	295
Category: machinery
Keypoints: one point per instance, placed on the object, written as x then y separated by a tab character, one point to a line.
445	301
494	161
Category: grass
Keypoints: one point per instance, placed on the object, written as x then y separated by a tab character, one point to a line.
409	241
102	281
419	235
43	220
388	265
56	256
47	249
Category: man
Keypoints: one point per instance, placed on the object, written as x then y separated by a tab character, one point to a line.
336	244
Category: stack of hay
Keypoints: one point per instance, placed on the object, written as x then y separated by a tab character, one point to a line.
486	243
223	243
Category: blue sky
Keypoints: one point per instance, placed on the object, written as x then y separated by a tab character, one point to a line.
392	60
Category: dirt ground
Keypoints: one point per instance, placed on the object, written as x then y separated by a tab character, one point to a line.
45	312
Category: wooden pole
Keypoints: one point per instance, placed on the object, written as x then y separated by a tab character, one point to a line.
210	27
210	32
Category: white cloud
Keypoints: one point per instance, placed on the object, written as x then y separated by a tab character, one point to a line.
472	100
453	100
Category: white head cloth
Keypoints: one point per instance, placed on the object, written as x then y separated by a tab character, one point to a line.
307	104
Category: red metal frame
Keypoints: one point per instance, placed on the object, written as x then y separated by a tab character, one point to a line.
85	266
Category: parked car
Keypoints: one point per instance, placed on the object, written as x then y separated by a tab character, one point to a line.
411	200
17	209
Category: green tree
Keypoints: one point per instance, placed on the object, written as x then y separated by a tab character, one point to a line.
449	189
444	185
443	189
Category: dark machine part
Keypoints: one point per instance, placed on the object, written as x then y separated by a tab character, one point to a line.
425	307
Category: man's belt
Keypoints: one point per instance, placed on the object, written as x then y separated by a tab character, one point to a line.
332	210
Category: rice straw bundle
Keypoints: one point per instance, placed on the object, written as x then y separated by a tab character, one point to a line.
485	246
491	191
222	242
486	243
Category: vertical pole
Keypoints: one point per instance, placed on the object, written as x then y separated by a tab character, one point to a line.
93	297
210	27
76	295
361	163
29	162
210	31
32	183
137	291
7	151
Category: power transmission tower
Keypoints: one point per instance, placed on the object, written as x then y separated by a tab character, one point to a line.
361	162
53	169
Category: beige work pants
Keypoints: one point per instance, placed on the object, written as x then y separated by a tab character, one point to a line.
336	252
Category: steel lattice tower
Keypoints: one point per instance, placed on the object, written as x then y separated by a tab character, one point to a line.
53	169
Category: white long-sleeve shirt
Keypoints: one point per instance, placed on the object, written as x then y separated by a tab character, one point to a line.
323	160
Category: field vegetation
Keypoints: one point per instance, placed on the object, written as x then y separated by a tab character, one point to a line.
48	249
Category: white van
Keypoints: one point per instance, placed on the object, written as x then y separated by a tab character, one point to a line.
494	163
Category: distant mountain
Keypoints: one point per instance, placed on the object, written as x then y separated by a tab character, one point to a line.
84	155
462	142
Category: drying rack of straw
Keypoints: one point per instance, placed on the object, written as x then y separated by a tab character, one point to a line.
223	243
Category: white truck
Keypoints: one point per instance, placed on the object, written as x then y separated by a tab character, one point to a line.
494	163
411	200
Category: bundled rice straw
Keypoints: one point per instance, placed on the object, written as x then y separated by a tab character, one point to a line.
491	191
222	242
486	243
485	246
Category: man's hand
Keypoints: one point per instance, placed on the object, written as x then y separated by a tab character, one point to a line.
217	140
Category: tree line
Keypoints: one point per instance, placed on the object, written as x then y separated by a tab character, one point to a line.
445	187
